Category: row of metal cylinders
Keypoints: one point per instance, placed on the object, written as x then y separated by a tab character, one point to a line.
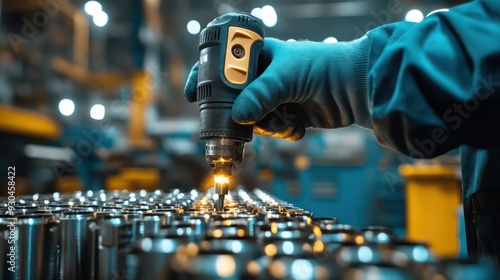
174	235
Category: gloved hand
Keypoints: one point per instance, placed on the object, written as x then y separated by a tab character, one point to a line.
303	84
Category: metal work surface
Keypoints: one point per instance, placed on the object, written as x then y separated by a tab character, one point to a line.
175	235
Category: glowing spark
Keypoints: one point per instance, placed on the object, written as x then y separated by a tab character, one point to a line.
221	179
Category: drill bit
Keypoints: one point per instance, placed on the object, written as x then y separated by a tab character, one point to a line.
221	185
219	204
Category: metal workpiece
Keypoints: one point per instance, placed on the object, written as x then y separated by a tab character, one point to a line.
151	223
154	254
381	262
227	230
411	260
228	259
298	247
23	209
115	235
270	232
199	227
415	252
377	234
307	268
169	214
36	254
325	223
76	245
381	272
180	230
353	254
180	235
339	234
235	244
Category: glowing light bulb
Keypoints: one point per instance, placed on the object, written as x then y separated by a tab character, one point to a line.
414	16
193	27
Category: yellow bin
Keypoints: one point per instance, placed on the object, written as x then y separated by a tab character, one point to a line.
433	193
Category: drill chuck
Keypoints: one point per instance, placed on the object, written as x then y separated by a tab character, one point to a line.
221	152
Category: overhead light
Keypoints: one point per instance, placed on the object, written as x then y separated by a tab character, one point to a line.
414	16
92	8
330	40
100	19
97	112
256	12
269	16
66	107
47	152
193	27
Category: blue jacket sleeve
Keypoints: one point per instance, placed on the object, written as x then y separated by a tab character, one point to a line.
435	85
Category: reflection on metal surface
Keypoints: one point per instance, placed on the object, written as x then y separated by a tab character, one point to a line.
175	235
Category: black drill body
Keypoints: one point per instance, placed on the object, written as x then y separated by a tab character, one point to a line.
229	49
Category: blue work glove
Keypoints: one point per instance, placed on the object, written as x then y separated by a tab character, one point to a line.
303	84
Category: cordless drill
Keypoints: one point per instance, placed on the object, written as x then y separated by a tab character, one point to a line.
229	49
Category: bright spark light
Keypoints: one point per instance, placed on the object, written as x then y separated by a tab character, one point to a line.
221	179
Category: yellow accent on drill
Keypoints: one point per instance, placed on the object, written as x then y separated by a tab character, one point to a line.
236	69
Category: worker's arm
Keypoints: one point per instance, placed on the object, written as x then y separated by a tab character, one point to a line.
305	84
437	85
423	88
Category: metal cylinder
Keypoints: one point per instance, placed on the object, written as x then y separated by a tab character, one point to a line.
154	255
37	246
76	245
257	237
211	264
115	234
151	223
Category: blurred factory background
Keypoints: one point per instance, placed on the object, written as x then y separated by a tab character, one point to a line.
91	97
